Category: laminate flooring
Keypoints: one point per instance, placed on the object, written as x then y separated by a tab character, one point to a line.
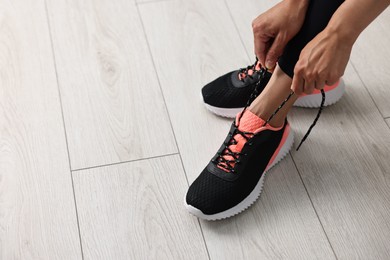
102	129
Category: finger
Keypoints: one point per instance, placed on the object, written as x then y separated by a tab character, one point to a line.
331	82
260	49
274	52
297	84
320	84
309	87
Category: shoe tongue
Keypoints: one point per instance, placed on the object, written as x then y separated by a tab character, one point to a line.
258	66
249	122
250	72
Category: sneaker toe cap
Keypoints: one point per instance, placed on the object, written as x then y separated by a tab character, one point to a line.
210	194
217	89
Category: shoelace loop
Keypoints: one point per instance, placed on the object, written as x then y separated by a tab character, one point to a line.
244	72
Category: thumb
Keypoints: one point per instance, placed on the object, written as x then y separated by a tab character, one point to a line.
297	84
261	49
274	52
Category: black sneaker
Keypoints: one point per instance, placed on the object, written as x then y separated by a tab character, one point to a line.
227	95
233	179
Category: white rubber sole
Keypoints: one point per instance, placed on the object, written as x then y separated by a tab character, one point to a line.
310	101
224	112
253	196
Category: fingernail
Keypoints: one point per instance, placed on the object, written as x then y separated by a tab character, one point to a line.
294	90
269	64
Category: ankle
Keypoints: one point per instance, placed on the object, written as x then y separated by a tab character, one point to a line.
277	122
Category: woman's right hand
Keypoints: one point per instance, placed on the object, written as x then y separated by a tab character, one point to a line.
273	29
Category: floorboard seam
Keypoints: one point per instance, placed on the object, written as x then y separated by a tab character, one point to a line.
64	126
124	162
365	86
169	116
237	30
369	93
387	123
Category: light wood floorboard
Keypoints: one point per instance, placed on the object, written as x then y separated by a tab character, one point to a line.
113	107
243	15
345	167
280	225
149	1
37	210
192	46
370	57
121	67
186	58
135	211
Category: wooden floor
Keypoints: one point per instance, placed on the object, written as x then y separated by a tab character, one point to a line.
102	130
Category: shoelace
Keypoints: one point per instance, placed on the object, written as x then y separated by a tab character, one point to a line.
222	160
315	119
229	164
244	72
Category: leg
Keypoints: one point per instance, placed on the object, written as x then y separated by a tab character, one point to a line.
272	96
318	15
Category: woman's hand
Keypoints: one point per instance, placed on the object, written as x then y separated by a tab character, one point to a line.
273	29
322	61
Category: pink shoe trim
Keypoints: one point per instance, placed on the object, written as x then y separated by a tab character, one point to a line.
284	138
326	89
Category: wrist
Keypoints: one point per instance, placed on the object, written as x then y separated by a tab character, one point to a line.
298	8
344	35
300	4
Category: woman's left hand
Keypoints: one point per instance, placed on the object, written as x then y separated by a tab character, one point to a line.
322	61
